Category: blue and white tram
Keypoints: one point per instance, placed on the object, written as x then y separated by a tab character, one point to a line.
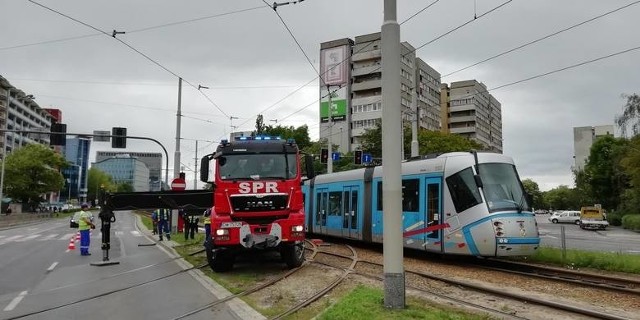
463	203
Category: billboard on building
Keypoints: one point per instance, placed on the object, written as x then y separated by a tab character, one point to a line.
334	66
338	104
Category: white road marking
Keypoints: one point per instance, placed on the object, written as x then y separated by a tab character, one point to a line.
135	233
15	301
2	237
548	236
49	237
66	236
13	238
119	233
53	265
28	238
31	229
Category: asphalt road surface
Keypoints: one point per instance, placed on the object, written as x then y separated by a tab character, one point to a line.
613	239
42	279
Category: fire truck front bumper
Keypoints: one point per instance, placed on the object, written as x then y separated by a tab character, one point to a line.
249	239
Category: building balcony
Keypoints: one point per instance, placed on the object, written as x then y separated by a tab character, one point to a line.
463	130
367	55
366	70
454	119
367	85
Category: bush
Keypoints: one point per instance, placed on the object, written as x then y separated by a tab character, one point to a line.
631	222
615	218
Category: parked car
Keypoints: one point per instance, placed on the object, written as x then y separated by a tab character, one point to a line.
566	217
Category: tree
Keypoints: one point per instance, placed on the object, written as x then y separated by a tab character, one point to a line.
603	172
428	141
630	199
32	171
630	115
562	198
299	134
124	187
98	180
259	125
531	187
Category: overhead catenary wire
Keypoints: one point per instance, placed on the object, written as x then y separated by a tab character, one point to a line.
133	31
542	38
410	52
134	49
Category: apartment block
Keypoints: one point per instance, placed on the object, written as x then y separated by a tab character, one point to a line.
471	111
583	139
352	77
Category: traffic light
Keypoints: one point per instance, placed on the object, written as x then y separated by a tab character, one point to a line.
324	156
58	139
120	139
357	159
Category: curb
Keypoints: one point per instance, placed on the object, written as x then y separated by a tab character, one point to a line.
240	308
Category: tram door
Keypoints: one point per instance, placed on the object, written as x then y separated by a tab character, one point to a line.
350	212
433	211
321	210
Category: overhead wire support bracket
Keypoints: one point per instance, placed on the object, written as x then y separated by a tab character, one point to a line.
276	5
114	33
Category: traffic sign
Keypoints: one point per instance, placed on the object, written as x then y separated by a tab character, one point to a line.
178	184
367	158
335	156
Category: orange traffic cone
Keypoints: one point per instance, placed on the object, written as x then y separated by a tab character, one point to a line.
72	245
78	236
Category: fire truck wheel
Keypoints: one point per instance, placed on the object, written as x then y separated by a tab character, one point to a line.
221	260
293	255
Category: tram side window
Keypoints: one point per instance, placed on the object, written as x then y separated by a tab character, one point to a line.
410	190
335	203
463	189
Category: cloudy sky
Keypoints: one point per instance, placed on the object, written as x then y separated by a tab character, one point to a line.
243	52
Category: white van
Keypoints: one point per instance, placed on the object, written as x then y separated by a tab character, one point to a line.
566	217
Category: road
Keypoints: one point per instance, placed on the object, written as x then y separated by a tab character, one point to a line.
613	239
42	279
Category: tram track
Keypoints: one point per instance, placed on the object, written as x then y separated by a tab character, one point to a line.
613	283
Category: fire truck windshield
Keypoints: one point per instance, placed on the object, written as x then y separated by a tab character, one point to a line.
257	166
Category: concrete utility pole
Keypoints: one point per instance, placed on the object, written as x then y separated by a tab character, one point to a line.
330	138
195	171
176	157
394	286
415	147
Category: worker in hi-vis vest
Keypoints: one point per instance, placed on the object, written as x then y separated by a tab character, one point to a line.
84	226
207	225
163	222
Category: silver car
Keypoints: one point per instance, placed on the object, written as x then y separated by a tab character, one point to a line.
566	217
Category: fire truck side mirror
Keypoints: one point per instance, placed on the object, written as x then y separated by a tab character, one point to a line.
204	168
308	164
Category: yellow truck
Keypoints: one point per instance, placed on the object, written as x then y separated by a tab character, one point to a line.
593	218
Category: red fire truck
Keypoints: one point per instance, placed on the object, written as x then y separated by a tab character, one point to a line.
256	200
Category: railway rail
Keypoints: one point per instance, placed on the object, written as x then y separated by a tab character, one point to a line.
486	289
612	283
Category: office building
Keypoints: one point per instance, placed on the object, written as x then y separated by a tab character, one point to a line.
472	112
583	139
125	168
153	160
19	111
76	176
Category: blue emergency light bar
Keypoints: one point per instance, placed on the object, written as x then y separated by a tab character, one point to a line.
258	138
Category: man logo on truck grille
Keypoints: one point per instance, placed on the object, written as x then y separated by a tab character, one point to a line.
255	187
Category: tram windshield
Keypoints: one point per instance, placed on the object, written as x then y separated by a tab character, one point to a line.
257	166
501	187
